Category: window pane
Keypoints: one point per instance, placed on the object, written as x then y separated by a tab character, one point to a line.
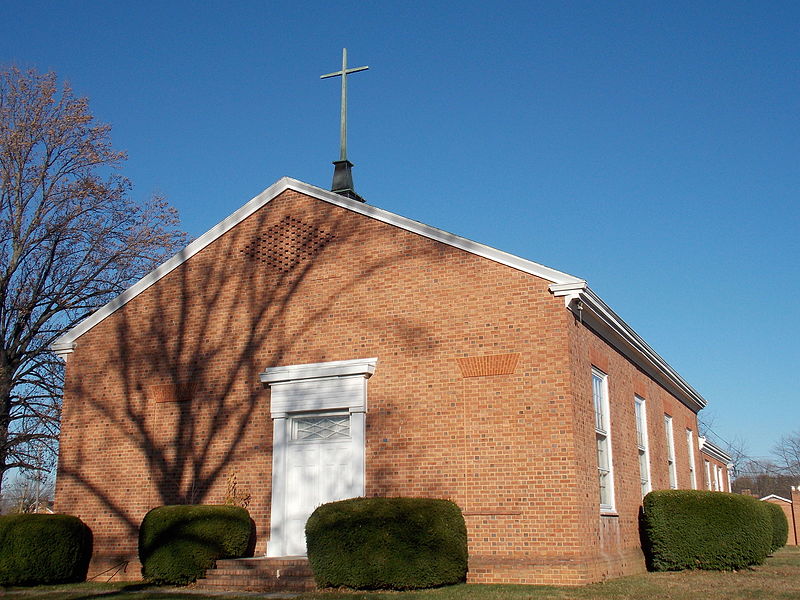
639	408
602	453
330	427
643	474
597	393
605	493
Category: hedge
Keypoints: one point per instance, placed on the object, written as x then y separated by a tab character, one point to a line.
692	529
177	544
43	549
780	526
387	543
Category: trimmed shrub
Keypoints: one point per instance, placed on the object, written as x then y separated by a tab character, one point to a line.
693	529
178	543
43	549
780	526
387	543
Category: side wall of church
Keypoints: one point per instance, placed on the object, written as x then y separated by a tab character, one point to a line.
613	546
163	403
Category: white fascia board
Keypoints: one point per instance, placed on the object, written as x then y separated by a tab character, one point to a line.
592	310
776	497
67	340
339	368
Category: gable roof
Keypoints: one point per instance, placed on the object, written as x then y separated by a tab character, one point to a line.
579	298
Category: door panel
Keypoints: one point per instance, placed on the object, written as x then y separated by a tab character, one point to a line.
318	471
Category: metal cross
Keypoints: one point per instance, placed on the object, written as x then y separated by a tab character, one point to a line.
343	74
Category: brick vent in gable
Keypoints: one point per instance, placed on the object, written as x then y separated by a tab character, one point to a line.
287	244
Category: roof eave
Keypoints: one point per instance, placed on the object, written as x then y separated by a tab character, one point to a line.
594	312
710	449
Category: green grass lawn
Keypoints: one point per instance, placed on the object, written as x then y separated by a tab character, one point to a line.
778	579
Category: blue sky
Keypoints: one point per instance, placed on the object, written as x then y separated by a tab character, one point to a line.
651	148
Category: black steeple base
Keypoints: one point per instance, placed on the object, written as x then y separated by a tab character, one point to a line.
343	180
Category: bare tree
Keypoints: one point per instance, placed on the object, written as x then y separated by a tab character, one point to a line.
71	238
740	456
787	454
762	478
706	420
28	492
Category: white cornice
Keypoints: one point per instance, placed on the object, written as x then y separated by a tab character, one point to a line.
710	449
590	309
264	198
63	350
339	368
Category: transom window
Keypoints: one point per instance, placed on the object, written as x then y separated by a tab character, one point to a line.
320	427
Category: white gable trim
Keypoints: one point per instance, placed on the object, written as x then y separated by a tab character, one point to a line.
66	343
776	497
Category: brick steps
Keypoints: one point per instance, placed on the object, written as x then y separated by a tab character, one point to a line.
260	575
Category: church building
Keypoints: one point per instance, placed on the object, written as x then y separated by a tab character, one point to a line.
312	347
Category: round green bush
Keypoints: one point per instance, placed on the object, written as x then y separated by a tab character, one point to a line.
43	549
693	529
177	544
780	526
387	543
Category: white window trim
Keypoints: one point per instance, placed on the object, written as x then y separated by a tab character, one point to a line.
317	387
709	483
690	448
669	433
645	446
608	508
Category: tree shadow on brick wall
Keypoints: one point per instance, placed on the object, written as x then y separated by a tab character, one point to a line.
163	396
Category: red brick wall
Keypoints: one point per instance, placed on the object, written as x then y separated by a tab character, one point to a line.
163	402
794	522
612	541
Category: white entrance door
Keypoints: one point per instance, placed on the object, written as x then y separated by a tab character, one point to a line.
318	425
319	469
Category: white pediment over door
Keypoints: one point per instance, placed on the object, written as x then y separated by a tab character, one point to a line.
318	423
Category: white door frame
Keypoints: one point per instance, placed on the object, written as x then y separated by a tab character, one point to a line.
339	385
